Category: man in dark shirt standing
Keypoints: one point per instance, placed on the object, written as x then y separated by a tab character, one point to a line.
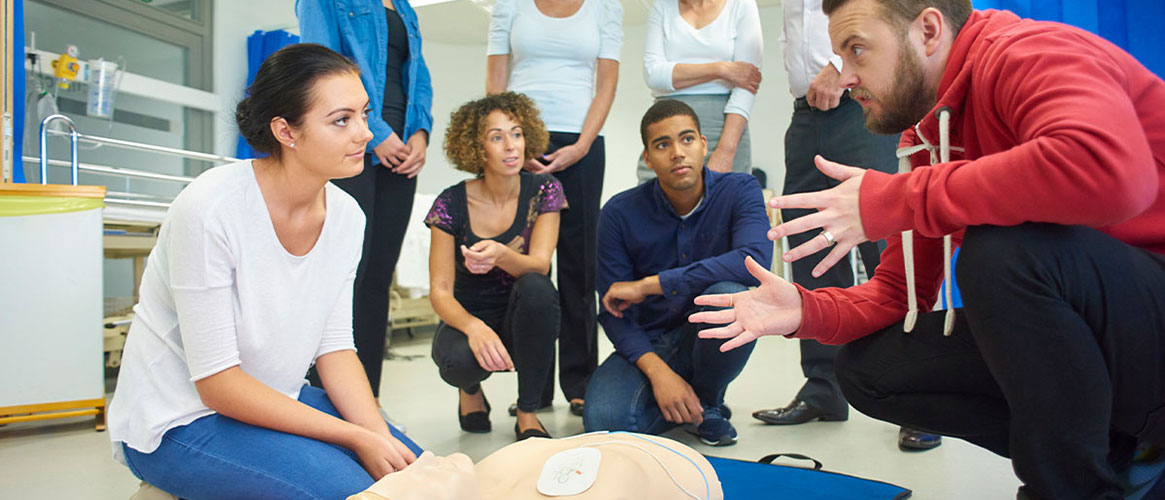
660	245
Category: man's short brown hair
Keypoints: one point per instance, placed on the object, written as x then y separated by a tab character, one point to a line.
901	13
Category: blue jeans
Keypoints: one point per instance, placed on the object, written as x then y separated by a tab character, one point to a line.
220	457
620	398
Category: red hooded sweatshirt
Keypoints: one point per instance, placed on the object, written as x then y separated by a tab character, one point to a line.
1056	125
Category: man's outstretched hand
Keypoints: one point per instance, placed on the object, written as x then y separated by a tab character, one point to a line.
773	308
838	213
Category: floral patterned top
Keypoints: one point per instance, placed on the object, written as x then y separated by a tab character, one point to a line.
537	194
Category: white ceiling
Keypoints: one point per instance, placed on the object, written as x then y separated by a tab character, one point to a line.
467	21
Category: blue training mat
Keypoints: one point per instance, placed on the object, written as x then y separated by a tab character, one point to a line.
754	480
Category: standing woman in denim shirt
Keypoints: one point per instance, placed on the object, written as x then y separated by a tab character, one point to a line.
564	54
384	39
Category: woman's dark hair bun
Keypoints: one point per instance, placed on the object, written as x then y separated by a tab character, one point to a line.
283	88
257	134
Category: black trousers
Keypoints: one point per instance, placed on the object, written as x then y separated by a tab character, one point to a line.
386	199
578	350
527	327
1057	360
839	135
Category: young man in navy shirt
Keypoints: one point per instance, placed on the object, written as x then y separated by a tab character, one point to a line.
661	244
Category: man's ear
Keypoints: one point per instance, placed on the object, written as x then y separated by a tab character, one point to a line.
932	26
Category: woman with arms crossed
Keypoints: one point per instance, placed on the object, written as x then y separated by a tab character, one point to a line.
707	53
249	285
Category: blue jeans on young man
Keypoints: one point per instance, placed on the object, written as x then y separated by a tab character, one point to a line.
220	457
620	397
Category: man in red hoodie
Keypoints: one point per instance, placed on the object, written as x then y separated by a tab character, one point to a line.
1046	165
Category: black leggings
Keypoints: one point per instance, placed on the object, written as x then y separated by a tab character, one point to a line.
528	329
1057	359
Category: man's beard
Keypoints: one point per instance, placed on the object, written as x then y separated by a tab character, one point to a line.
907	103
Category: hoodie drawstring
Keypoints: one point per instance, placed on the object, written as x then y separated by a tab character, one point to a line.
943	155
944	144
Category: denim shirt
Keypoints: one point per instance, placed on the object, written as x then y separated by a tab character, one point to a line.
358	30
641	235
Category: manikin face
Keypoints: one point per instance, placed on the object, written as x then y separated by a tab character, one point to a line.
880	66
504	143
334	131
675	151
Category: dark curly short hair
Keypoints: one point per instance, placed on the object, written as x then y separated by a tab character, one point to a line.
464	137
662	110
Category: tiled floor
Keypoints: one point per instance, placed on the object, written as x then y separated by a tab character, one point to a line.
69	460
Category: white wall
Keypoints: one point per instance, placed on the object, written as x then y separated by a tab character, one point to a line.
458	72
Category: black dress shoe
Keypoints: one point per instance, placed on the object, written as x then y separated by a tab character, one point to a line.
476	422
798	412
576	409
915	440
530	433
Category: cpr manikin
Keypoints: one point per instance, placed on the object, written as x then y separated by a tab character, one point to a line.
595	466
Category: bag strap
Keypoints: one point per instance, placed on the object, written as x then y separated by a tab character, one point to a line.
768	459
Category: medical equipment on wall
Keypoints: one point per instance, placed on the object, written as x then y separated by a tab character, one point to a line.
66	67
99	79
103	82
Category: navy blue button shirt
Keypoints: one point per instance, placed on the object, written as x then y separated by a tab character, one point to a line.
640	235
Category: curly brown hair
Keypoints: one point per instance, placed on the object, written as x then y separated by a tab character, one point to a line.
466	132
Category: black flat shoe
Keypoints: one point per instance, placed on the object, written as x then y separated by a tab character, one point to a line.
530	433
798	412
476	422
576	409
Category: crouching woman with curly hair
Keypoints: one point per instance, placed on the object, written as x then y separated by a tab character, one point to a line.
492	237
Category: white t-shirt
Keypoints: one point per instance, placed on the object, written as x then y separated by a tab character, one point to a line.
735	35
219	291
553	59
805	40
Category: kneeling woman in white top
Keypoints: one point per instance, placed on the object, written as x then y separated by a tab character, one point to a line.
249	285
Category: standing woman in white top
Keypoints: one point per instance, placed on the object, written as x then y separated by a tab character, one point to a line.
707	53
564	54
250	283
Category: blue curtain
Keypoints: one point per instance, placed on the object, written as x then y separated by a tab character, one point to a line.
260	45
1133	25
18	96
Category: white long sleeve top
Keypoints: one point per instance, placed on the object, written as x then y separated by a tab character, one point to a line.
805	43
220	291
735	35
552	59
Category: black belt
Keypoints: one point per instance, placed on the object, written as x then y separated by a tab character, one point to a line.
802	104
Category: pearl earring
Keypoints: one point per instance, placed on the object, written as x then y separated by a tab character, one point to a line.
292	145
